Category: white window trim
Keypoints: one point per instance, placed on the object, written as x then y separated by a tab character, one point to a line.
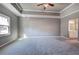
9	32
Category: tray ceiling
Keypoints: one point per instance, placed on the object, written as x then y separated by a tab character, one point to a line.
33	7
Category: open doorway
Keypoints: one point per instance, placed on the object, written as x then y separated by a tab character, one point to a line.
73	28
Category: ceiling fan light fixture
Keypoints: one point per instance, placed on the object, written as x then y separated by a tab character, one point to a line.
46	5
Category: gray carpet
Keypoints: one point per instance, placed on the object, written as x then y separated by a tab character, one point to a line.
40	46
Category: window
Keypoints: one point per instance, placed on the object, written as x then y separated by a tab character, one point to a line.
4	25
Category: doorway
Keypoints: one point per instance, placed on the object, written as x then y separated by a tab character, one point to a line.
73	28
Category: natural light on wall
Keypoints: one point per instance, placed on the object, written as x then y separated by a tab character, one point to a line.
3	21
73	28
23	37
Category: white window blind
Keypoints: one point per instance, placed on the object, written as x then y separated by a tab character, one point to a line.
4	24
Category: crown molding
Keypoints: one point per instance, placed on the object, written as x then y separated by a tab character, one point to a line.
17	6
41	11
11	8
67	7
40	16
70	13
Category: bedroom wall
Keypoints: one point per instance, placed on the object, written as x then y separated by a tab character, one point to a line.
13	25
35	26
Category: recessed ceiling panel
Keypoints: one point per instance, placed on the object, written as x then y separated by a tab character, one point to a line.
33	6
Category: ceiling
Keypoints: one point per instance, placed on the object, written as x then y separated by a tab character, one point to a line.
33	7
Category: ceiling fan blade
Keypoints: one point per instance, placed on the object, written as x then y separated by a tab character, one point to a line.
40	4
51	4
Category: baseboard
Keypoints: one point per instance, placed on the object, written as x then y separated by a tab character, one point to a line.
39	36
6	43
65	37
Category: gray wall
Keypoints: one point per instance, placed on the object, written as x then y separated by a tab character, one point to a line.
64	21
39	26
14	24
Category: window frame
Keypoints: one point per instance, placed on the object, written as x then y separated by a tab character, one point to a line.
5	16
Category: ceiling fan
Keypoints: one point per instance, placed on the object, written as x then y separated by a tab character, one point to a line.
45	5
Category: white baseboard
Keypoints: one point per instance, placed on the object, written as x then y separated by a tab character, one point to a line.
38	36
64	37
6	43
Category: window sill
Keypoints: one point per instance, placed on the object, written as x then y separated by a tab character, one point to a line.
2	35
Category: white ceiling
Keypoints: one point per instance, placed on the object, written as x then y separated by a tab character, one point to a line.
33	7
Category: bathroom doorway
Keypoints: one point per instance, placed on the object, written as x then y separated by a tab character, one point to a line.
73	28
